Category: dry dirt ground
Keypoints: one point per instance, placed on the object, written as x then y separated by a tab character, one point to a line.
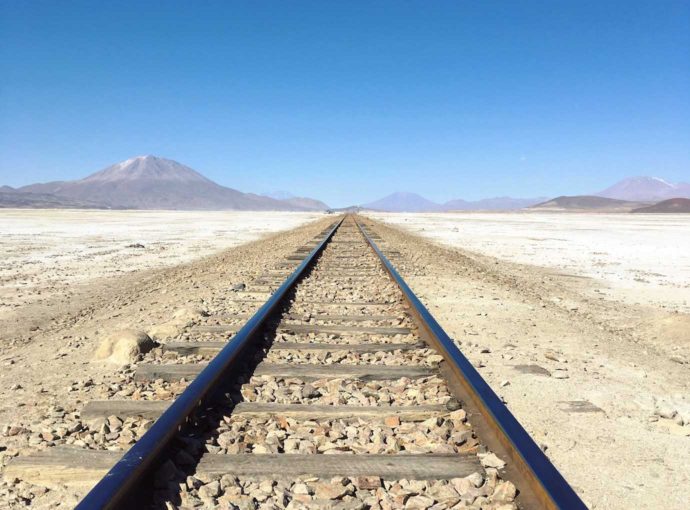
608	402
637	258
47	366
46	253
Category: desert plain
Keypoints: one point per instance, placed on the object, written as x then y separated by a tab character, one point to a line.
45	252
599	303
639	258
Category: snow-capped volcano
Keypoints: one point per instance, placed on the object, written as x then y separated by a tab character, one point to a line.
147	168
646	189
149	182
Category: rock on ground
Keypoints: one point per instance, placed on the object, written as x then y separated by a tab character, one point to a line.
123	347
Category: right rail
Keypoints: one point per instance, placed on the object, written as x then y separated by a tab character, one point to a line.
496	425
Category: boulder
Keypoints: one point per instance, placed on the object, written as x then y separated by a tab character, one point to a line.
164	331
123	347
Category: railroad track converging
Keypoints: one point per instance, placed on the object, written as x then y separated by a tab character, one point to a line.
340	391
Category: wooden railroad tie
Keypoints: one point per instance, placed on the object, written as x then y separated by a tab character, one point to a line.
343	318
390	467
152	409
324	265
307	328
354	330
307	372
80	468
352	270
211	348
301	302
339	275
317	317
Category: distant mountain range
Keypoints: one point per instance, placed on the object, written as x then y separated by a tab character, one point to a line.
12	198
403	202
278	194
634	194
625	195
412	202
309	204
493	204
149	182
306	204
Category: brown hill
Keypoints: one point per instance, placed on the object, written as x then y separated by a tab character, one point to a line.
673	205
584	203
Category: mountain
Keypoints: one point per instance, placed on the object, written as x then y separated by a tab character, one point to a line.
457	205
587	203
411	202
308	204
492	204
149	182
645	189
14	198
23	200
403	202
278	194
673	205
354	209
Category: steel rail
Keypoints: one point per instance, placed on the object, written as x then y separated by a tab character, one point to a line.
124	478
547	486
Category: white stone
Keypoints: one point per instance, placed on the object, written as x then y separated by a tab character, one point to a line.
490	460
123	347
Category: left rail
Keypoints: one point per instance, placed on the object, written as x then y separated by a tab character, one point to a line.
120	485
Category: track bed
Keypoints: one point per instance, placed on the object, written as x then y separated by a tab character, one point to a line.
336	399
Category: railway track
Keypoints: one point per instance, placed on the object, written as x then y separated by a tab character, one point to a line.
340	391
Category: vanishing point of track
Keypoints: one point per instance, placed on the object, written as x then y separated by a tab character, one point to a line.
341	380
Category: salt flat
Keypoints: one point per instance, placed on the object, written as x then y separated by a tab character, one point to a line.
641	258
613	400
46	251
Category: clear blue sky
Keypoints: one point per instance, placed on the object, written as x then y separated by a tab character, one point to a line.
348	101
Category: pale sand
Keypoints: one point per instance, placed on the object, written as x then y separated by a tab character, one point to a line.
638	258
614	413
46	251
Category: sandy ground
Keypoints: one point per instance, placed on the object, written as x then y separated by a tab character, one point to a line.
46	252
47	349
609	402
602	384
640	258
